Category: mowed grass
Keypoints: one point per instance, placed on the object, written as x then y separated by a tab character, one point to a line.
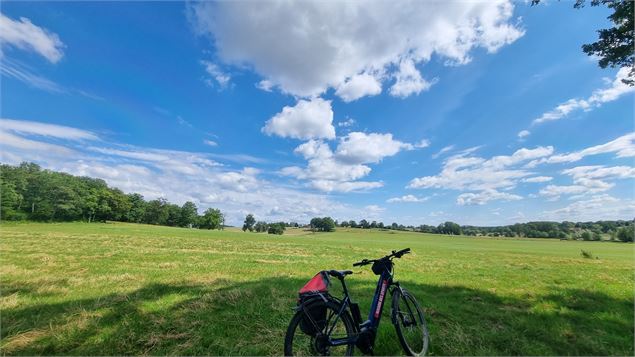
113	289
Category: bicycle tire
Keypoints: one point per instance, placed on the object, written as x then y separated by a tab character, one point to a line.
294	329
408	335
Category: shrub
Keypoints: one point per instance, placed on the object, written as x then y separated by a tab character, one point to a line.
276	228
586	254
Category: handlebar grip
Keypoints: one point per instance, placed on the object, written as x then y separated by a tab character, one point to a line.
357	264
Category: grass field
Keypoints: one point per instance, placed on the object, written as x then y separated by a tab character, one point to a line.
105	289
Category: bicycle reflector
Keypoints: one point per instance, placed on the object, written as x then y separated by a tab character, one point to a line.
318	284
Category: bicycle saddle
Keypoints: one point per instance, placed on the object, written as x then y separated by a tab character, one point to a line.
339	273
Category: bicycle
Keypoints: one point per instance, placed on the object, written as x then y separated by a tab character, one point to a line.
326	325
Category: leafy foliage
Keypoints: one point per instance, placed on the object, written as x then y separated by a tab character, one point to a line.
276	228
325	224
28	192
249	223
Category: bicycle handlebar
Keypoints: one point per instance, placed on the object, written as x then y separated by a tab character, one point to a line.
397	254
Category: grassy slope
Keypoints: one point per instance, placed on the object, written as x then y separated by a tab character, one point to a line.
132	289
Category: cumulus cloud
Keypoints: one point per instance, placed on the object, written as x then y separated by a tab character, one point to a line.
615	90
357	147
23	34
306	47
482	197
408	80
358	86
308	119
340	170
407	198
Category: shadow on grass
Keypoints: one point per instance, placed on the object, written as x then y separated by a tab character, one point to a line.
225	318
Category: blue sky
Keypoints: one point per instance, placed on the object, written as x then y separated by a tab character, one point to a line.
480	113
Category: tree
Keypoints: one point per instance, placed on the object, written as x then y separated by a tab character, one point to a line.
249	223
212	219
364	224
324	224
156	212
137	208
615	46
189	214
586	235
261	226
9	199
626	234
276	228
449	228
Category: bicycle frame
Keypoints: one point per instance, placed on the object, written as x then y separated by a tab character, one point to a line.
374	315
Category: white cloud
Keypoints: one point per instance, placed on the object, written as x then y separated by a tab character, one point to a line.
23	34
482	197
588	180
357	147
442	151
594	208
407	198
216	75
178	176
49	130
423	143
624	147
523	133
22	73
210	143
265	85
358	86
346	123
340	170
306	47
537	179
487	176
408	80
464	172
616	89
8	140
308	119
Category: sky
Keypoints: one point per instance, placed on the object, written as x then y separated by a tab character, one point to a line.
483	113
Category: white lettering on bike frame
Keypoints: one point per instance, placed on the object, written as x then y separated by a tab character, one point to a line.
381	298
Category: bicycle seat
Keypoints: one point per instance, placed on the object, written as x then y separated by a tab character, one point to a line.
339	273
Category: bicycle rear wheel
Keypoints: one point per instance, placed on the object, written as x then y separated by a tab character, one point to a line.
410	323
298	343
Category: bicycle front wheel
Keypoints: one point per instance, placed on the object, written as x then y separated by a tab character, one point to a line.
307	339
410	323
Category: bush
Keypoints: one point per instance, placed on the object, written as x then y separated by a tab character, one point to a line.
276	228
586	254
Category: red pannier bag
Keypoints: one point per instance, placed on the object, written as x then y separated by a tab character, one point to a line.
319	284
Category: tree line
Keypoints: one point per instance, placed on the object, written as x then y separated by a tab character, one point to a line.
600	230
28	192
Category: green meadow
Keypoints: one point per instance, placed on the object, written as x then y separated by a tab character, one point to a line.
115	288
